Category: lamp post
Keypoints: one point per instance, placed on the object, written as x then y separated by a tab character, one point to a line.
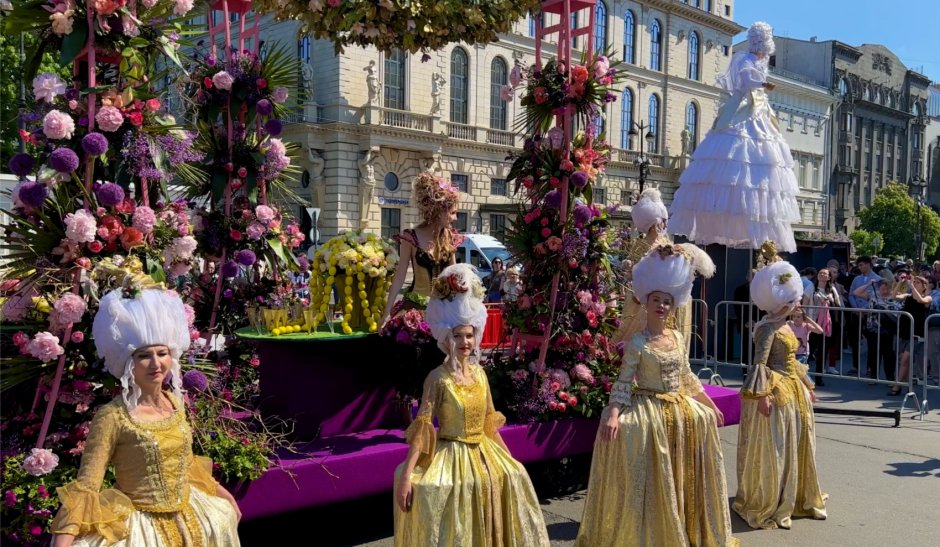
643	161
917	187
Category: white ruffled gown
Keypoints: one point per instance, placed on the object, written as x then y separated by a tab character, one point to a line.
740	189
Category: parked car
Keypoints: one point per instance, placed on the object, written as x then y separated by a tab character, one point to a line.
480	250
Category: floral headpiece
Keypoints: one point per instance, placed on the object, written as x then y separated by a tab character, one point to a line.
434	195
671	269
447	287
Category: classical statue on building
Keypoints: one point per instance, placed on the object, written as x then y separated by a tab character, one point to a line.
438	82
307	74
318	192
366	184
372	81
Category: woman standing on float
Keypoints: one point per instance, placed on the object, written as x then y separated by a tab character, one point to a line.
777	437
658	478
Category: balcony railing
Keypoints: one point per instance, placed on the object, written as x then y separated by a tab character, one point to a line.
629	156
498	136
461	131
404	119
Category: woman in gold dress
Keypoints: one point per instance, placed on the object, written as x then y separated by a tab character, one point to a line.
777	437
658	475
649	217
163	495
459	486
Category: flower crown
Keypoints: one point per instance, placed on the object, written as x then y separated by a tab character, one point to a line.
434	195
446	288
766	256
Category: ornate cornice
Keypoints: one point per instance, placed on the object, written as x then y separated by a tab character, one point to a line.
700	16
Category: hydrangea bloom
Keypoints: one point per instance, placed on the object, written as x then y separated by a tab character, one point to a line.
144	219
109	118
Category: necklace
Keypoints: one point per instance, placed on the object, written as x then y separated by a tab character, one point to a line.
161	410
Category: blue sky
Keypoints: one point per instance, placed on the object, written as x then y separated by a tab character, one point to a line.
909	28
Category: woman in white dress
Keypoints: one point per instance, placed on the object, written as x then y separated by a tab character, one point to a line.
740	189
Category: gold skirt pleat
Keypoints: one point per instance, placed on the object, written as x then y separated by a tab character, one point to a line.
776	465
661	482
209	521
471	495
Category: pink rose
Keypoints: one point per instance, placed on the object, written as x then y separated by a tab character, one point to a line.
20	339
80	227
78	337
109	118
255	230
58	125
40	462
45	347
280	94
70	307
582	373
264	213
223	80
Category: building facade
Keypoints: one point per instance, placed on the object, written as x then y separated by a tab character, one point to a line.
879	123
932	165
368	122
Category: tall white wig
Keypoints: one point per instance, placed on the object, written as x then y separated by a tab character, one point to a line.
456	300
671	269
776	286
123	325
760	38
649	209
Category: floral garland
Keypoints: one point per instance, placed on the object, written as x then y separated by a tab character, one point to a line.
401	24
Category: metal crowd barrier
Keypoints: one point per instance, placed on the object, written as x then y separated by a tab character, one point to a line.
930	366
732	347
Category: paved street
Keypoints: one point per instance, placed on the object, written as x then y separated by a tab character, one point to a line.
883	482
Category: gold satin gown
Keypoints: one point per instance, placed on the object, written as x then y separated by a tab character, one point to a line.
467	489
632	314
776	467
163	496
661	482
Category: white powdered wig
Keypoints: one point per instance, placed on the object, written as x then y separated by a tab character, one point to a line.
649	209
124	325
776	286
671	269
456	300
760	38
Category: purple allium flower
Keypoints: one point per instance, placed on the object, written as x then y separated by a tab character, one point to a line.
21	164
304	263
582	214
246	257
264	107
229	269
228	293
64	160
33	194
274	127
94	144
194	380
110	194
553	199
579	179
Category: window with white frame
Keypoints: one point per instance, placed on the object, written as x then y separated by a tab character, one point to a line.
626	118
629	37
693	56
499	74
656	44
459	85
395	63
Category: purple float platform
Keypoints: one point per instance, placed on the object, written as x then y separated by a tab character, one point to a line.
353	465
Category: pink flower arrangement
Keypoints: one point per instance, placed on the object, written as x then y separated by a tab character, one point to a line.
40	462
47	86
109	118
80	227
58	125
45	347
70	308
223	80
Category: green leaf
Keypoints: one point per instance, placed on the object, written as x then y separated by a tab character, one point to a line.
281	253
72	44
155	270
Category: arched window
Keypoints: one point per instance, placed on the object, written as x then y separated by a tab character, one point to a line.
600	122
499	76
600	27
303	49
843	87
654	123
395	62
693	56
691	124
656	43
629	37
459	85
626	118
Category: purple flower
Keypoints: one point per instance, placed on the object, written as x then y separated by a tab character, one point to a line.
110	194
229	269
64	160
33	194
94	144
274	127
246	257
553	199
264	107
402	337
579	179
21	164
9	498
304	263
582	214
194	380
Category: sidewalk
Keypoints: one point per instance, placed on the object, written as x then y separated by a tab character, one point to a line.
883	482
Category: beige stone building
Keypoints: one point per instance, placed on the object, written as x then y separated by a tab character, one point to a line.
368	122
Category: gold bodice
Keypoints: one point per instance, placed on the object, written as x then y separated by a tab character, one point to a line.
774	357
654	371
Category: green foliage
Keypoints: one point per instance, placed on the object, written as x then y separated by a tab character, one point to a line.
894	215
867	243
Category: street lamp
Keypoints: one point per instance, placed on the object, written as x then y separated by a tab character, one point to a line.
643	161
917	188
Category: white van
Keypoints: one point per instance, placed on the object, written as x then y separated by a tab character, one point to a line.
480	250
